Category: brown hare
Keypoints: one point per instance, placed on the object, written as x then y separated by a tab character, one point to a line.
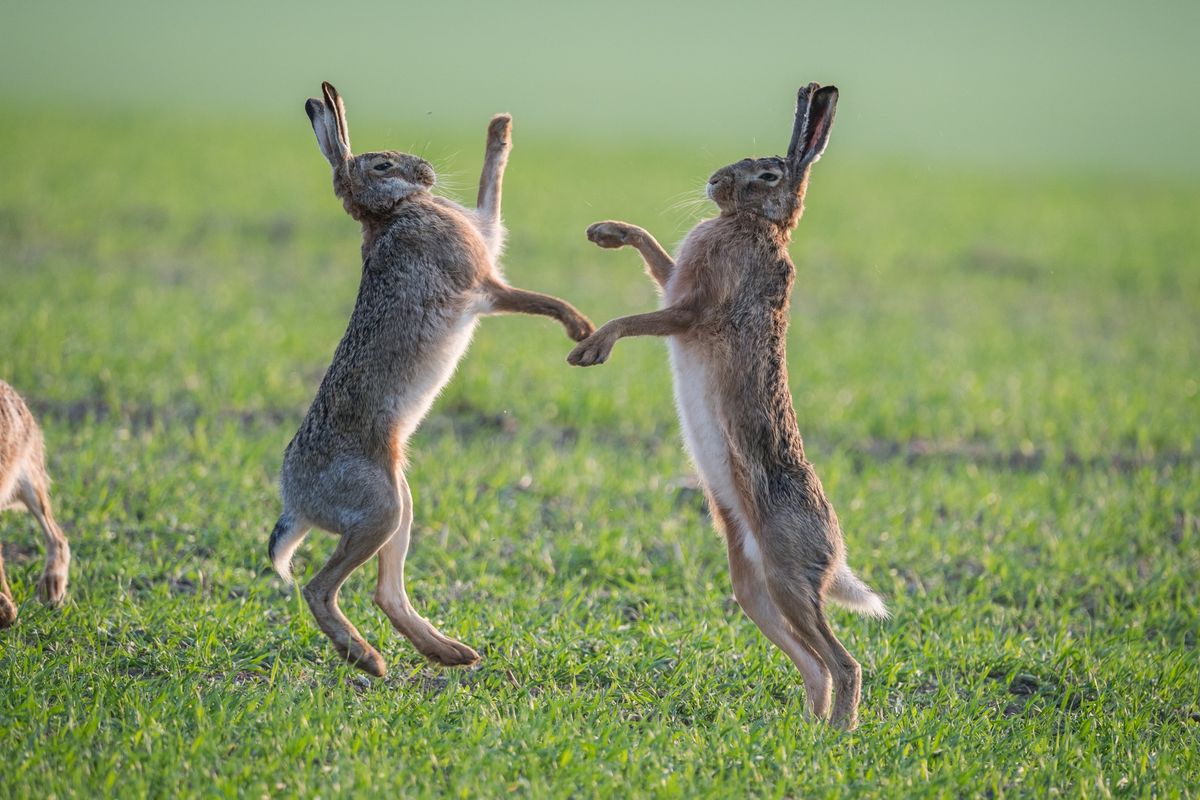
725	315
24	481
429	271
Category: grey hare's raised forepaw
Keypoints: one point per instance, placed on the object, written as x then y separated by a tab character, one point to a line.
500	131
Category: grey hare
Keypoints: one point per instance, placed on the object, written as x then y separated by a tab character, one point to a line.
725	315
430	270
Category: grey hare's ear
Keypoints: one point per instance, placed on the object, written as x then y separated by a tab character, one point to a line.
328	119
815	105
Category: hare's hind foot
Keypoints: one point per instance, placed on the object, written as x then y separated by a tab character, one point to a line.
360	654
348	642
443	650
429	641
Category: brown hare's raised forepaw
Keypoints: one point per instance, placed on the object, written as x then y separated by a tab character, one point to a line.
609	234
8	611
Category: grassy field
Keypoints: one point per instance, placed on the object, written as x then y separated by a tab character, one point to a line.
995	374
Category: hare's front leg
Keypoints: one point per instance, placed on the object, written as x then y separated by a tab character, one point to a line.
392	597
52	586
8	607
507	299
596	348
491	180
612	234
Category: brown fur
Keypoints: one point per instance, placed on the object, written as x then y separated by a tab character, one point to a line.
429	270
725	307
24	481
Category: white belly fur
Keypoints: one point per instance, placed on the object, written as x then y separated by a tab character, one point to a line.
414	398
696	400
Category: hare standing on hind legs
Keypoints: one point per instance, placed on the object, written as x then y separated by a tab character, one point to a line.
24	481
725	313
429	271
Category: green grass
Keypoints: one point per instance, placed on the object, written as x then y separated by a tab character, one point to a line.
995	375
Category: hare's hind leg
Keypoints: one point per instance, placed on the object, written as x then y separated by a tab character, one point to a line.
750	591
357	544
796	589
31	488
8	607
392	597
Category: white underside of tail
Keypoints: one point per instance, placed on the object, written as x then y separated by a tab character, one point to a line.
849	591
285	547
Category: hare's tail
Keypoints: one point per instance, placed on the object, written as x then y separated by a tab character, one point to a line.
285	538
849	591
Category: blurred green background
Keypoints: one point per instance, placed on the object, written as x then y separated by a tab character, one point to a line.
1014	85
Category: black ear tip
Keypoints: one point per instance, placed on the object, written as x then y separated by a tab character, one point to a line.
311	106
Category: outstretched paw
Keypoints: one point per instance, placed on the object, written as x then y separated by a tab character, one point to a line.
500	131
578	327
591	351
611	234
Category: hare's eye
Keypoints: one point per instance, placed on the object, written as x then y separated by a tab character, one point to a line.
769	177
383	166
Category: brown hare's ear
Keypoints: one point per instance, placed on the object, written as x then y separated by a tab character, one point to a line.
815	105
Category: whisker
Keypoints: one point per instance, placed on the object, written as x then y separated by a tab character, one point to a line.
688	206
